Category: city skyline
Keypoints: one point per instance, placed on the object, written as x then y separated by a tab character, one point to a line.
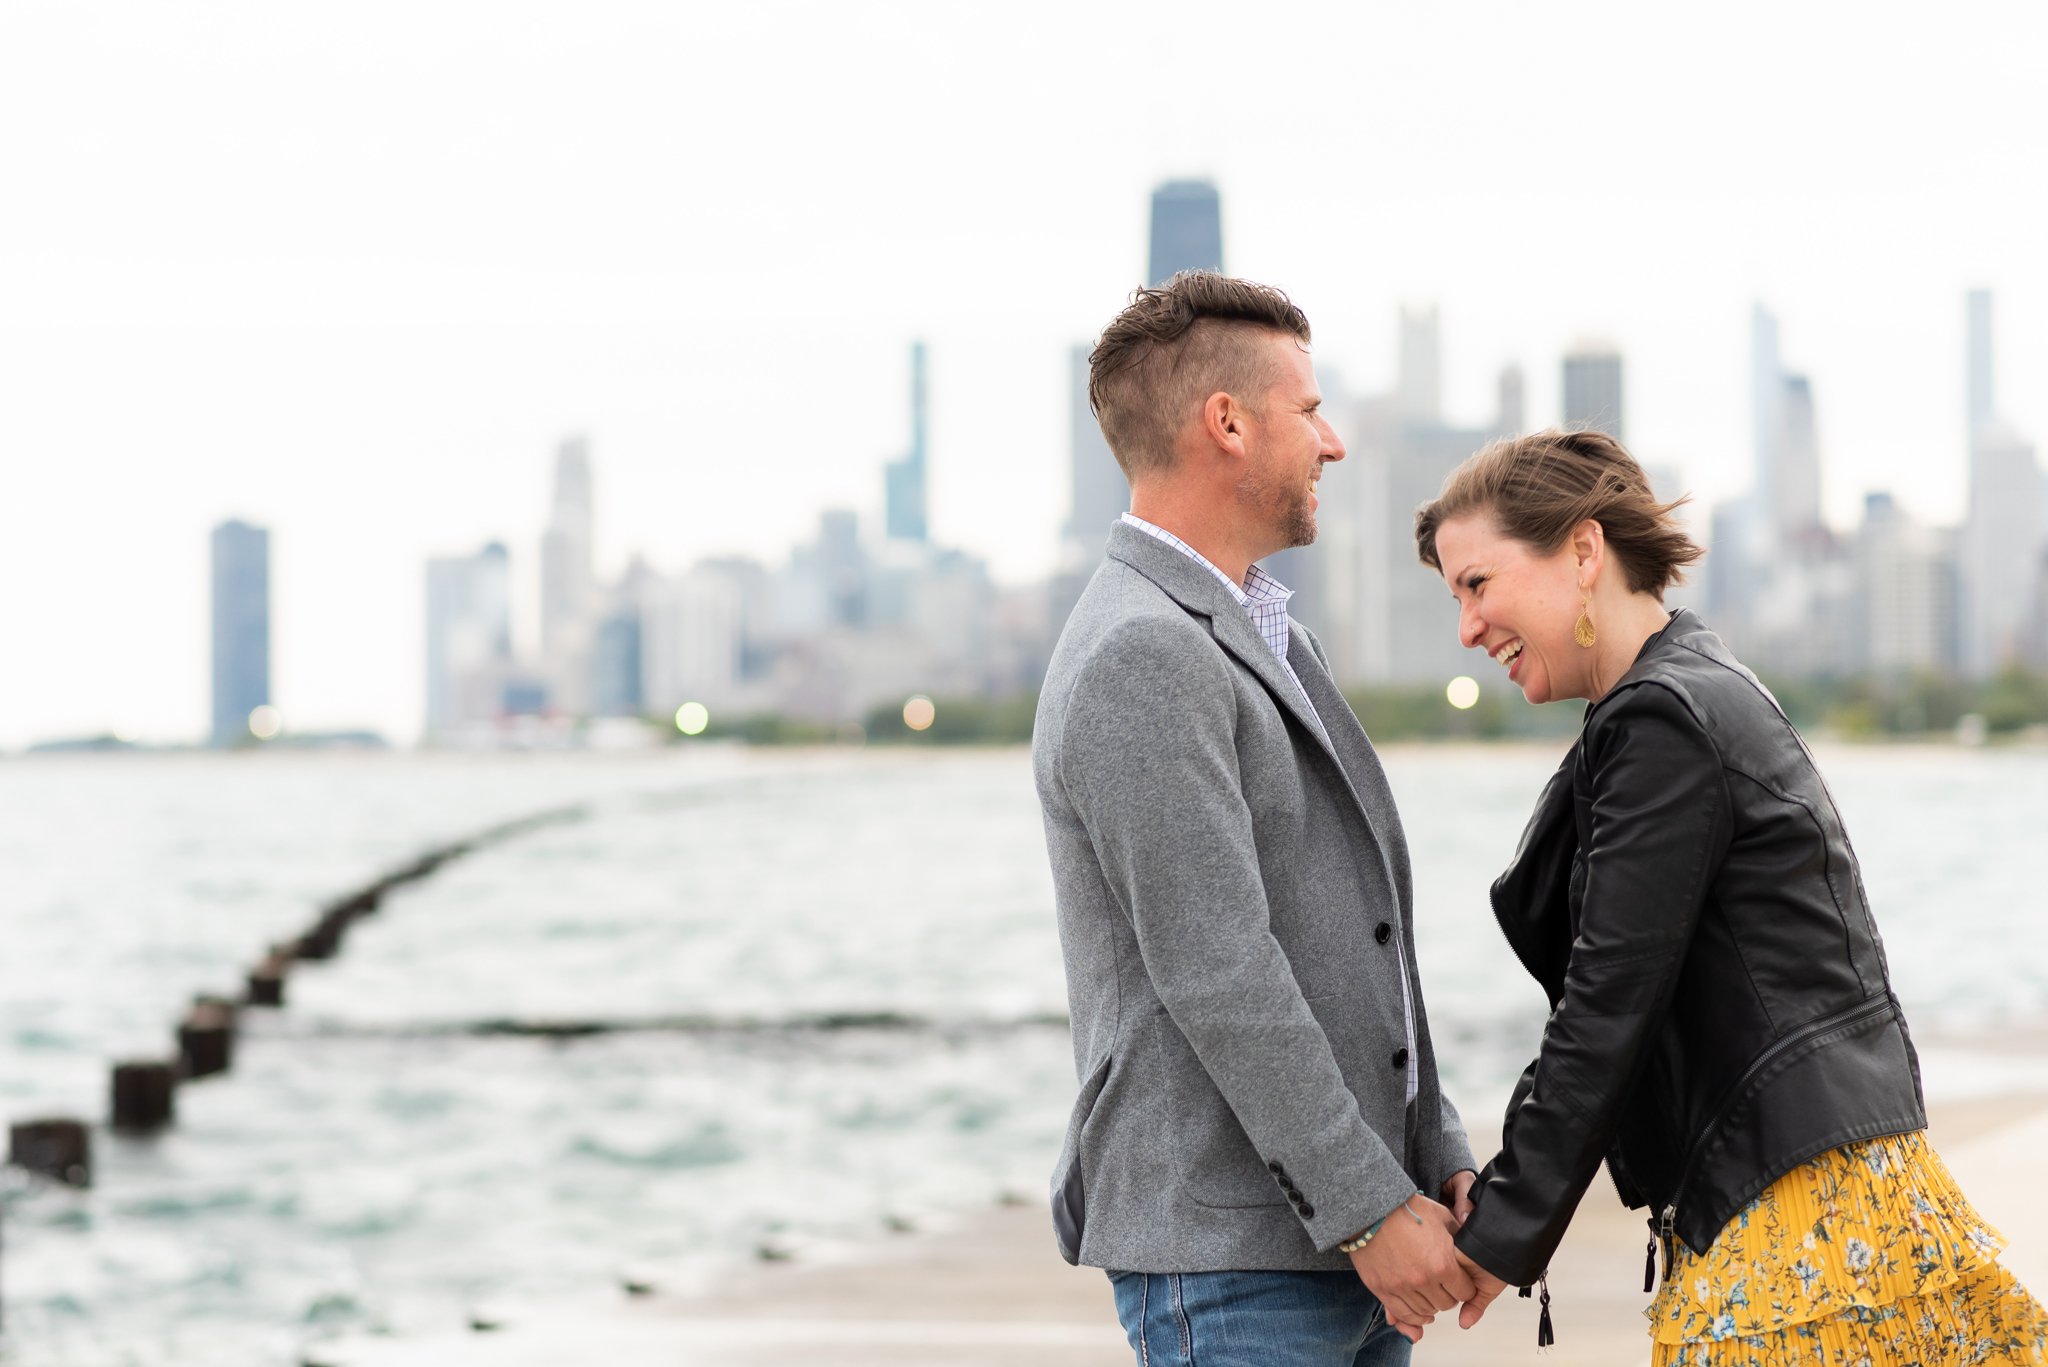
373	353
862	617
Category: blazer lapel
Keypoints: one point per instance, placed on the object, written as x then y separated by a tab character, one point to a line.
1186	582
1348	744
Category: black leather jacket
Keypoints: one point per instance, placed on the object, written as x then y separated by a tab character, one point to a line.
1721	1011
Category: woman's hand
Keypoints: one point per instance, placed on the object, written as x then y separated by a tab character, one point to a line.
1488	1287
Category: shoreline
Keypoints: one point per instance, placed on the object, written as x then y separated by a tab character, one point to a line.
987	1286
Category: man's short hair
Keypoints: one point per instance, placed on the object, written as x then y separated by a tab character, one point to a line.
1174	346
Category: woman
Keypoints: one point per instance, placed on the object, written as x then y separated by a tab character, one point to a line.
1723	1029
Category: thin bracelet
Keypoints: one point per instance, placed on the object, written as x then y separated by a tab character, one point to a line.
1354	1245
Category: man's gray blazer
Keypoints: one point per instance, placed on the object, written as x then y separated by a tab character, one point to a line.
1230	885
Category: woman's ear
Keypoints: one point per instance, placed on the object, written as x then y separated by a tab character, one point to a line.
1589	548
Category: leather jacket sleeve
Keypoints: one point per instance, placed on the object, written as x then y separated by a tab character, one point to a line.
1653	830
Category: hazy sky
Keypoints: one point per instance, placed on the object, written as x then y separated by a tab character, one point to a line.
353	271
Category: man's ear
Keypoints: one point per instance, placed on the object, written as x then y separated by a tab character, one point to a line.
1223	422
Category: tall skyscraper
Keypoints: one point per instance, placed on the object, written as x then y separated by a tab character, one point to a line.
1767	413
1512	411
1100	491
1420	384
1592	390
1786	495
1982	398
2002	542
241	628
1187	229
568	581
904	480
1795	502
617	666
469	639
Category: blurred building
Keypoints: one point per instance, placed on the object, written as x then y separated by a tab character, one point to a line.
695	630
2005	530
905	516
241	627
1780	585
1187	229
1419	382
568	582
472	681
1977	377
1513	391
1767	422
1186	235
1907	616
1100	492
1592	390
617	655
1795	499
2002	542
1382	616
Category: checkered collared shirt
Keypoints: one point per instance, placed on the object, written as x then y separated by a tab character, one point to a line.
1264	599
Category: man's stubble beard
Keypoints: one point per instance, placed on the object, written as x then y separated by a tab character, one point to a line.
1282	506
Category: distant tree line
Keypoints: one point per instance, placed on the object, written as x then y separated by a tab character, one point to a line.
1855	707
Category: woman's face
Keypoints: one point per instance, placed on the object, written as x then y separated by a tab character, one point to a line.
1518	605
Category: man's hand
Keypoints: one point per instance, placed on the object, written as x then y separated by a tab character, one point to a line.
1413	1268
1457	1194
1488	1288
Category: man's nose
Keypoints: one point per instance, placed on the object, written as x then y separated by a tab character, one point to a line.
1333	445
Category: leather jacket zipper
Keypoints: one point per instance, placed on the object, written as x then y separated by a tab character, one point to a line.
1661	1228
1851	1016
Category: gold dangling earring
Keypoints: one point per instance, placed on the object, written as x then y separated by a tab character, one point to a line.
1582	630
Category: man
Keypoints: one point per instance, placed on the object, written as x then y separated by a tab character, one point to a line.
1259	1148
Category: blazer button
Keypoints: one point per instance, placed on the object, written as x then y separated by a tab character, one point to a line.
1400	1058
1307	1212
1383	932
1276	1169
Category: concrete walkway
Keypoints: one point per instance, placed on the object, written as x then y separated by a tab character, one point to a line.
992	1292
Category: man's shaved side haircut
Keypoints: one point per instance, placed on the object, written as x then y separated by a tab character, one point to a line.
1174	346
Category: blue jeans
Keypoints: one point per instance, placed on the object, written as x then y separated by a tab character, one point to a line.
1255	1319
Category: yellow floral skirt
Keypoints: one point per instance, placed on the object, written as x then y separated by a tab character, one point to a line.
1865	1257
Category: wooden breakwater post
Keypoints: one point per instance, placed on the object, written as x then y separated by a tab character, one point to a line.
206	1040
58	1148
265	985
144	1095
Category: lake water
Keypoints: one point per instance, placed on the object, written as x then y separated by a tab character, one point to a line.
838	973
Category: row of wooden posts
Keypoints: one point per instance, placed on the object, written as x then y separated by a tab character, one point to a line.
143	1092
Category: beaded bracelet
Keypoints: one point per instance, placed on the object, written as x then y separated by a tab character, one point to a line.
1354	1245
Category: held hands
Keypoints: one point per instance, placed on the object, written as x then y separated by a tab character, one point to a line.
1412	1268
1489	1289
1457	1194
1405	1264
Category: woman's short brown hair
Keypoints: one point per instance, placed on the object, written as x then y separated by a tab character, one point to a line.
1537	488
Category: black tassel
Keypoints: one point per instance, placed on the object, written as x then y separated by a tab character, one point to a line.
1650	1268
1544	1335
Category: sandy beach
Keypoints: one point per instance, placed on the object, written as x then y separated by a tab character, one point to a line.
989	1289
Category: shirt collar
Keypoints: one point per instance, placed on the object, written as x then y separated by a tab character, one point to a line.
1261	595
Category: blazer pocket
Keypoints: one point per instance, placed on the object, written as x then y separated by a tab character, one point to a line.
1069	1187
1218	1165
